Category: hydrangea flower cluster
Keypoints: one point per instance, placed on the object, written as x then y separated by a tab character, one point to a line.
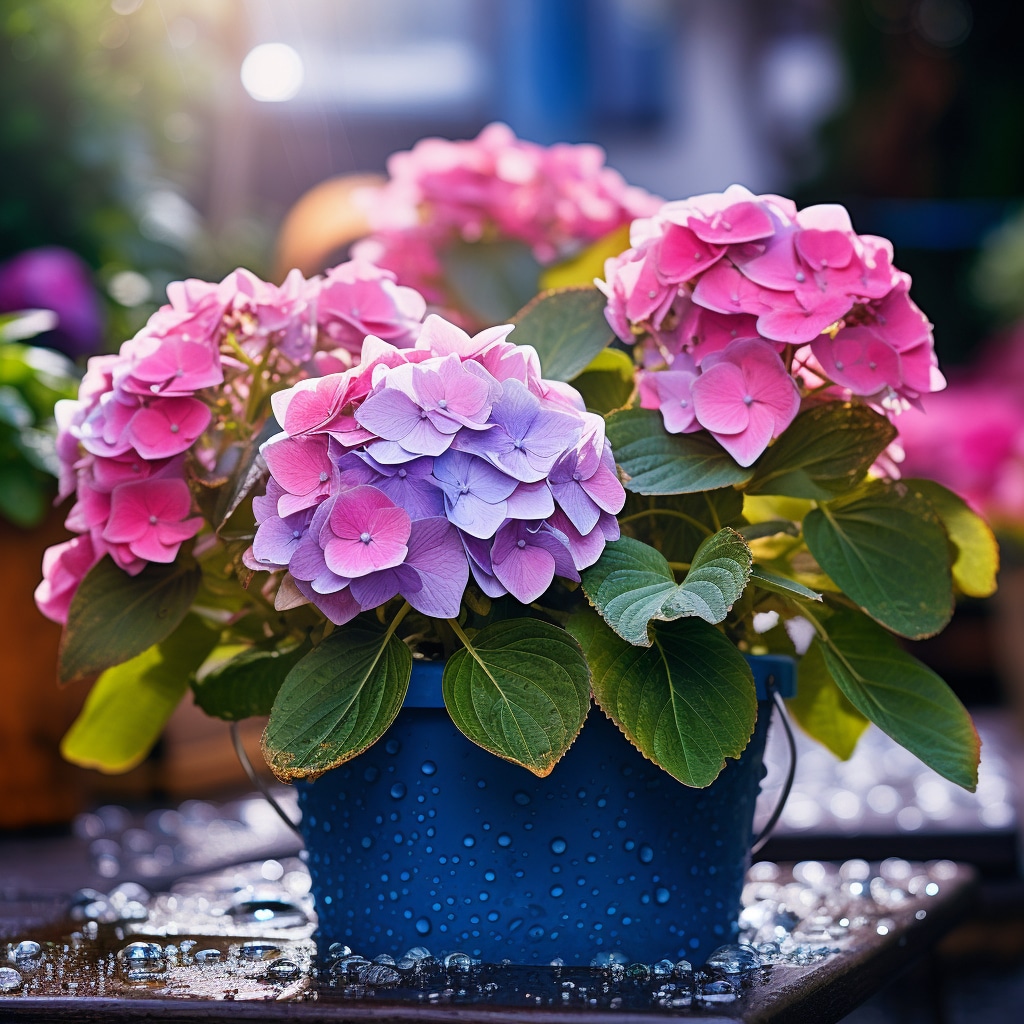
971	436
419	467
556	199
738	299
179	397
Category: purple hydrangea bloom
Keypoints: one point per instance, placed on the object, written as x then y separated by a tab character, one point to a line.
418	467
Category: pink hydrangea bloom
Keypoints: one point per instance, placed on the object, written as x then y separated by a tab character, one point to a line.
555	199
741	273
181	387
971	436
470	462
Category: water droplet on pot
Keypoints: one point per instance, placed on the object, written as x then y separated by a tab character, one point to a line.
646	854
398	790
469	841
207	956
422	927
662	895
428	768
521	798
504	839
458	961
558	845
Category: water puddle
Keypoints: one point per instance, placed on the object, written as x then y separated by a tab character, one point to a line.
245	933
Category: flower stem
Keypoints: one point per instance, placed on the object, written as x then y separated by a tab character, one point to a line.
706	530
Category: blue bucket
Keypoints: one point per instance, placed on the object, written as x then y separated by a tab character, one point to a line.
428	840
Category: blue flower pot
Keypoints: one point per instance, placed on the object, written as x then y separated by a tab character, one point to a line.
428	840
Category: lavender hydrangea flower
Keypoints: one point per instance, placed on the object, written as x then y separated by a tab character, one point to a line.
417	467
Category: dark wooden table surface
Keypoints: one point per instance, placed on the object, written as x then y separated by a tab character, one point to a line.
37	877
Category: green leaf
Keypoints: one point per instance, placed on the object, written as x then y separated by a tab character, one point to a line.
904	698
247	684
687	702
977	558
822	710
129	705
337	701
656	462
114	616
824	452
491	280
628	585
607	381
520	690
588	264
718	575
766	580
886	549
632	584
567	328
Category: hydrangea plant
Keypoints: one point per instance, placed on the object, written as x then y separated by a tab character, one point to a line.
285	495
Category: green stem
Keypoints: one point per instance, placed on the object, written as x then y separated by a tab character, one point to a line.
466	642
713	511
703	527
397	620
679	566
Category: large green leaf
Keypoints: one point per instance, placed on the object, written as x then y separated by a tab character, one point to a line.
520	690
821	708
632	584
687	702
823	453
717	576
114	616
567	328
336	701
628	585
656	462
901	696
886	549
129	705
491	280
977	557
607	381
247	684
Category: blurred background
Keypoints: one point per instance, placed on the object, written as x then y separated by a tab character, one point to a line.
142	141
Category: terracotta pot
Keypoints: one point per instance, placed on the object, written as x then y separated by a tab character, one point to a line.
36	786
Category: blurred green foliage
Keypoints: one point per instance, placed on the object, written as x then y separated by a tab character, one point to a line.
108	109
933	111
31	381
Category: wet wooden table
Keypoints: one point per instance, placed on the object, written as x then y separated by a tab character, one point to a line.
37	878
